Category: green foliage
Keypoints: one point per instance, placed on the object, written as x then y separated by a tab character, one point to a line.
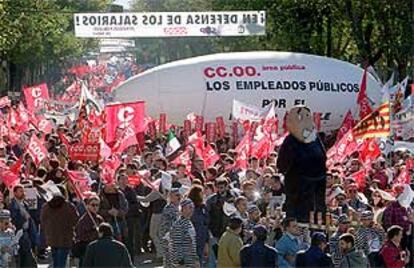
380	32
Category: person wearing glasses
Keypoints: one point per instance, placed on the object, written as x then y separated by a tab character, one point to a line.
86	229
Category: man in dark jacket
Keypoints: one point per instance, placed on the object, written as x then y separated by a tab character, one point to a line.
315	256
132	216
258	254
106	251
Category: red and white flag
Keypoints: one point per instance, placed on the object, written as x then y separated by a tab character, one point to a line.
364	106
210	156
369	151
359	178
403	177
243	152
121	116
5	102
261	149
80	181
36	97
36	150
127	139
185	159
347	124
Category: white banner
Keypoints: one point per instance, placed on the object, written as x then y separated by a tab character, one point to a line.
242	111
170	24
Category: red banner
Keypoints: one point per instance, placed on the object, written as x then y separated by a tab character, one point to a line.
211	132
36	150
317	121
163	123
347	124
235	132
187	128
152	131
85	152
221	127
36	97
121	116
199	123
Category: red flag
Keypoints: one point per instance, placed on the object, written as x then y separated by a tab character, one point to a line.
369	151
128	139
15	168
152	131
317	120
363	87
9	178
362	99
36	150
261	148
243	152
80	181
5	101
45	126
198	142
359	178
284	122
185	159
36	97
344	147
122	116
221	126
64	139
210	156
347	124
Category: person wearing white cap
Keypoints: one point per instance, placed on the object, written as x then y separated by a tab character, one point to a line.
182	247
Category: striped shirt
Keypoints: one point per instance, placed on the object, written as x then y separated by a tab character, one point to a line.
182	247
369	240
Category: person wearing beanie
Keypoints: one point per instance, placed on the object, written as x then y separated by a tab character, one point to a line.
315	256
258	254
230	244
182	247
107	251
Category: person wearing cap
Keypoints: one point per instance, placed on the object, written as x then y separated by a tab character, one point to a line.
351	257
58	220
258	254
369	237
342	206
8	249
343	226
169	215
230	244
106	251
182	247
315	256
252	220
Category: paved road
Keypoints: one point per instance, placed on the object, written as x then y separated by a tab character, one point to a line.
140	261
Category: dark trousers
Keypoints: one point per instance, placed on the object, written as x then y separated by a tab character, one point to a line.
310	197
59	257
130	241
26	259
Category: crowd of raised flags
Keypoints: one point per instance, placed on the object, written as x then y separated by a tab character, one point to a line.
104	138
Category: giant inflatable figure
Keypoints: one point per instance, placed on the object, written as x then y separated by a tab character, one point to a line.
302	160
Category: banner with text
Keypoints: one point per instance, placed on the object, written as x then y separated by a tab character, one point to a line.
170	24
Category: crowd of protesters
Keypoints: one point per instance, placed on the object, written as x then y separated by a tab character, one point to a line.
218	216
207	215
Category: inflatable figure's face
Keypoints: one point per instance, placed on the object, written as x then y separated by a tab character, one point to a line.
299	123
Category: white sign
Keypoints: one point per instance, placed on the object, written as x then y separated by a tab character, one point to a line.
170	24
207	85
